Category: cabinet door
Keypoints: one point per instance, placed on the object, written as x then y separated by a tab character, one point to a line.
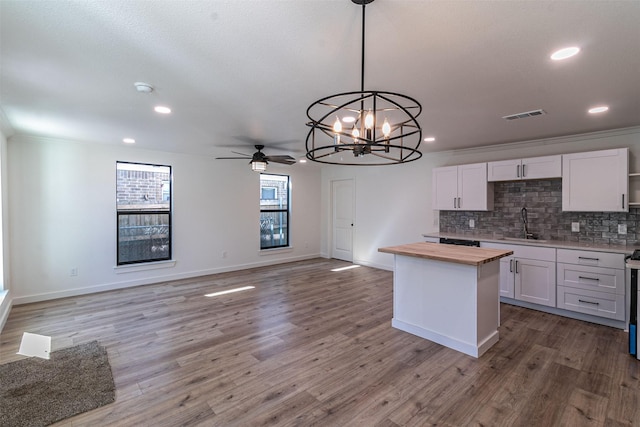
445	188
507	277
473	190
504	170
596	181
541	167
535	281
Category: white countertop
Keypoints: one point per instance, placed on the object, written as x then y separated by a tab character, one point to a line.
560	244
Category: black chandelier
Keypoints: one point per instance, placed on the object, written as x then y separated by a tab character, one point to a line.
378	128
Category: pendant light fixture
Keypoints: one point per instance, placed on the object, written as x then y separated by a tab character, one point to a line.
364	128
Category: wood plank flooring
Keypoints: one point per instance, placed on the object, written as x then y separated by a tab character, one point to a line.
312	347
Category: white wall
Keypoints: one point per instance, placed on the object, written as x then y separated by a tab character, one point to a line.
393	203
62	210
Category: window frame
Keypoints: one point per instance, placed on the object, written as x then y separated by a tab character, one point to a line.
142	212
286	211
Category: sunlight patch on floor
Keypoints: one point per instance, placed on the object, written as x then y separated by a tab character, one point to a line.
346	268
230	291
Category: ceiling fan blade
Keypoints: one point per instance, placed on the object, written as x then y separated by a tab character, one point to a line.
241	154
287	160
233	158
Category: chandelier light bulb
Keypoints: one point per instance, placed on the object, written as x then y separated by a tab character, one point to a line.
337	126
368	120
356	134
386	128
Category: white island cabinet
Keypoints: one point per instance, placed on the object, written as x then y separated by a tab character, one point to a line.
447	294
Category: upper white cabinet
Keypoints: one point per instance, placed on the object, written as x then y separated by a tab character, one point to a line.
462	187
596	181
531	168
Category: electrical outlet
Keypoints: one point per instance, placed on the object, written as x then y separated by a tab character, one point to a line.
472	223
73	271
224	254
575	227
622	228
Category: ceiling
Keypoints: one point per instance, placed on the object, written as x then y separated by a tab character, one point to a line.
236	72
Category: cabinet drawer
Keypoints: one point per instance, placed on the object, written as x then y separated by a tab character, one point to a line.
591	258
591	278
524	251
590	302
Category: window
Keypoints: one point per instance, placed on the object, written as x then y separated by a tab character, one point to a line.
274	211
143	204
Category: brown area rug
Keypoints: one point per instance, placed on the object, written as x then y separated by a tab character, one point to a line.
38	392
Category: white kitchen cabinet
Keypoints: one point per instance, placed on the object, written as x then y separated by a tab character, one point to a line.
596	181
530	168
463	187
507	278
535	281
591	282
529	274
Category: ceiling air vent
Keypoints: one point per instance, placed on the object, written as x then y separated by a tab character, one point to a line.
524	115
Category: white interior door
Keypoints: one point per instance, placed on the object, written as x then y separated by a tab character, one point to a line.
342	219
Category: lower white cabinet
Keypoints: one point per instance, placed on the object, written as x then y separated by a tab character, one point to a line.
591	282
507	278
535	281
529	274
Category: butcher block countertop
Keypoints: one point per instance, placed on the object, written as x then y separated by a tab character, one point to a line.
449	253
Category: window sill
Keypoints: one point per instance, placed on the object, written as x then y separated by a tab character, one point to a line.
130	268
275	250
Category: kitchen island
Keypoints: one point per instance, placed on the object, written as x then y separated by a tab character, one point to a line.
447	294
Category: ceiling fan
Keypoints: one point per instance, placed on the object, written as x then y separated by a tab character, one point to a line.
259	160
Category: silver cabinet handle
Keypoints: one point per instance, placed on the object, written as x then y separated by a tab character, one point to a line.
588	302
459	205
510	266
518	171
454	203
523	174
516	266
623	201
587	258
589	278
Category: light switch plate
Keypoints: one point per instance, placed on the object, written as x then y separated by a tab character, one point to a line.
622	228
575	226
472	223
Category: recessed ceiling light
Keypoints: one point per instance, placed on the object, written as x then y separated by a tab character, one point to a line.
143	87
348	119
162	110
600	109
302	161
128	140
429	139
565	53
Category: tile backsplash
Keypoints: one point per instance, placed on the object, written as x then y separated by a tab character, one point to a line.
543	200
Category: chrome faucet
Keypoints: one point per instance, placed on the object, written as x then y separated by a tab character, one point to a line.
523	213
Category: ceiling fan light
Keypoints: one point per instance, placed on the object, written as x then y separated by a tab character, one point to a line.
258	166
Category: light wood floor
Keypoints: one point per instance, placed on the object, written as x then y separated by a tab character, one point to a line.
310	347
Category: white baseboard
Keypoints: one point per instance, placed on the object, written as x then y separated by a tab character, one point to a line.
151	280
373	265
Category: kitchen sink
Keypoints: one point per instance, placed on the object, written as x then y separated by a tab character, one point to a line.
520	239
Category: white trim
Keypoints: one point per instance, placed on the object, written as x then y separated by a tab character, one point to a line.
5	307
273	251
152	280
129	268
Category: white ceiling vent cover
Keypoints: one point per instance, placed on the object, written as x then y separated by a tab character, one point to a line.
525	114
